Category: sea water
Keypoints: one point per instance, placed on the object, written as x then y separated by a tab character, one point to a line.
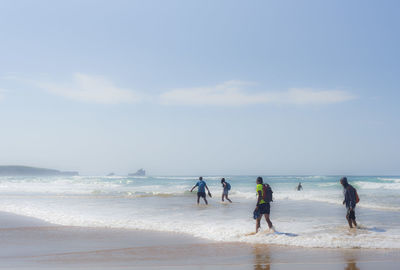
312	217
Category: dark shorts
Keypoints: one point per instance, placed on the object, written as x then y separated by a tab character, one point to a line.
225	192
351	214
201	194
264	208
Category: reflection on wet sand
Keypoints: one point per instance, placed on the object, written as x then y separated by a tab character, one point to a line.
351	258
351	266
262	259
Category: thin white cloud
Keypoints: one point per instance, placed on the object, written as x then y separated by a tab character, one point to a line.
231	93
312	96
96	89
92	89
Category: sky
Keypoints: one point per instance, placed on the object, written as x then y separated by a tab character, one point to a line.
201	87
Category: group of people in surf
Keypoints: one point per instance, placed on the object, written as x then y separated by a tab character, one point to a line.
264	198
202	186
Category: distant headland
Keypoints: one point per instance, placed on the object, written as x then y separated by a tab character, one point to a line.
16	170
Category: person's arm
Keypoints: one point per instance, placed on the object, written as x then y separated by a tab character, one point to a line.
347	198
352	198
193	187
345	194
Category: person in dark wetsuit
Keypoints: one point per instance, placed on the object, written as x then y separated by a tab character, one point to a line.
350	201
299	187
201	192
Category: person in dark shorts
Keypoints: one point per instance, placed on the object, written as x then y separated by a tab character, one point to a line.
263	207
350	201
226	187
201	191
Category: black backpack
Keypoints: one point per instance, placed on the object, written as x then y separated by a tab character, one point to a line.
267	193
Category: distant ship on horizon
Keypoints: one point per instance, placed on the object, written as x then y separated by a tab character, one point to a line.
139	172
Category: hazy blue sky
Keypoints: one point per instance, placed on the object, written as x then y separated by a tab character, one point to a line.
201	87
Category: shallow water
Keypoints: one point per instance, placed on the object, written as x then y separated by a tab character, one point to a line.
313	217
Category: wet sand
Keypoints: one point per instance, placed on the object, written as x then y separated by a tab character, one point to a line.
27	243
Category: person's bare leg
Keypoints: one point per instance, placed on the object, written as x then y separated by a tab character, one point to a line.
205	200
349	221
222	196
268	220
355	223
226	196
258	223
198	199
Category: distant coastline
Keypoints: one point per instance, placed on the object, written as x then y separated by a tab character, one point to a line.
18	170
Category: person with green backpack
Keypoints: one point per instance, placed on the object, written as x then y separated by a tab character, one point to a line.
264	197
226	187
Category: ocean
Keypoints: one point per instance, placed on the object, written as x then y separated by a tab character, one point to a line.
313	217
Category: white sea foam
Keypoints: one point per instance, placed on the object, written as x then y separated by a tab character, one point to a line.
318	196
165	204
397	180
129	188
295	195
327	184
375	185
335	236
177	177
194	178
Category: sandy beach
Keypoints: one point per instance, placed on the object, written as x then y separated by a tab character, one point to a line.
182	135
28	243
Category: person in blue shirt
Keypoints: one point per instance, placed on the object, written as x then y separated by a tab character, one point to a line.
201	191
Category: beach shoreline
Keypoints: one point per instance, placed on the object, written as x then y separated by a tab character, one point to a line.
29	243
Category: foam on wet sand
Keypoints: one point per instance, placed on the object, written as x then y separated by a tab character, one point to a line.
28	243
